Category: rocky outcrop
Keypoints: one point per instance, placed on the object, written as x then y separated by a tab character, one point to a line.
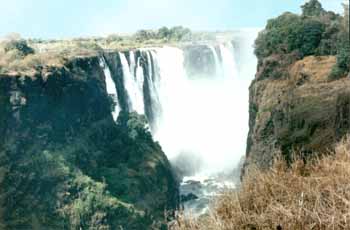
64	162
294	107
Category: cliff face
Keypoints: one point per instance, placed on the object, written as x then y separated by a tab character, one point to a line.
293	106
64	162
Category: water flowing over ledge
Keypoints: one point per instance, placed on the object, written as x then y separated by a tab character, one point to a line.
195	99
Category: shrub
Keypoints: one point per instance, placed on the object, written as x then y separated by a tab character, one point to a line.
113	38
343	63
312	8
315	32
143	35
343	57
311	32
20	45
179	33
312	195
164	33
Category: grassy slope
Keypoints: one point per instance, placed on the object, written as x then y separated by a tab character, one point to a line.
313	195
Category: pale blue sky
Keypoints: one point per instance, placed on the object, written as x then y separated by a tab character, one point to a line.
73	18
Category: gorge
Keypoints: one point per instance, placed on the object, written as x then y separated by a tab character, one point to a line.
177	129
185	94
87	132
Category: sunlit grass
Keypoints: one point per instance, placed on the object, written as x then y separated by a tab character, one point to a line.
313	195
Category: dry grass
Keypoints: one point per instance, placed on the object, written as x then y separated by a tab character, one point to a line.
13	62
313	69
315	195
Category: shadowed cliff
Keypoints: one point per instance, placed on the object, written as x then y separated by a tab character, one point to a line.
300	98
66	164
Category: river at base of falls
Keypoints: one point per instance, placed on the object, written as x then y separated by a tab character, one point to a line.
199	192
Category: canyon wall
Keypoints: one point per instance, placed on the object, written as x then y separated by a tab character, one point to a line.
295	107
66	164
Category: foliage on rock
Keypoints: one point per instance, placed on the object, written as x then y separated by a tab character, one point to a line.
315	32
65	163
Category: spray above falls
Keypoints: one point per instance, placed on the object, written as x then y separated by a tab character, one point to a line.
195	99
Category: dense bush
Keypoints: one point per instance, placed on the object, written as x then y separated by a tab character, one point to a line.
315	32
343	55
177	33
20	46
292	33
343	62
309	34
313	8
84	185
143	35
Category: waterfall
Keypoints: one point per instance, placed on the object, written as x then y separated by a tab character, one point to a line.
110	87
217	62
228	60
132	63
201	123
134	87
173	96
198	116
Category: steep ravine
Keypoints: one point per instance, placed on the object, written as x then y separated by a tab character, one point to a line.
66	164
296	108
84	144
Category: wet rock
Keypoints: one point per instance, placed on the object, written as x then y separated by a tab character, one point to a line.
188	197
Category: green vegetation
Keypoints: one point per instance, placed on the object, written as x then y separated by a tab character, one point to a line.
164	34
27	56
343	55
59	188
72	166
16	55
19	46
313	8
315	32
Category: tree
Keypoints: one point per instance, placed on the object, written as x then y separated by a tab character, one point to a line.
164	33
18	45
133	125
346	17
113	38
179	33
144	35
311	32
312	8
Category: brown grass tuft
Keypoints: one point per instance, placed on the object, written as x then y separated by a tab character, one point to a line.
315	195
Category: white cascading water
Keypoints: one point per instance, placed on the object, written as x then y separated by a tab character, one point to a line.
201	123
206	120
110	87
217	62
228	61
132	63
201	116
134	87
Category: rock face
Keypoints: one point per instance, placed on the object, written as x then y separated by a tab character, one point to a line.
64	162
293	106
